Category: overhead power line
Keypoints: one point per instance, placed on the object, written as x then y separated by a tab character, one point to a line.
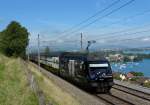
119	34
138	32
128	40
134	38
126	18
113	34
89	18
111	39
99	18
94	15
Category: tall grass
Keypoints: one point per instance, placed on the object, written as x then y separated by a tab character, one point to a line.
53	93
14	88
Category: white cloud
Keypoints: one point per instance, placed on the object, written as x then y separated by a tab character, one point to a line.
146	39
101	41
60	41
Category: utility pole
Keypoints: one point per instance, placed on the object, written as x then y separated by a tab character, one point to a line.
81	42
39	52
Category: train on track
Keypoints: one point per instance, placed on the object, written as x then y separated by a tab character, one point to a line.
82	69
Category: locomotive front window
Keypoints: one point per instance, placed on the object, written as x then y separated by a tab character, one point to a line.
98	65
98	69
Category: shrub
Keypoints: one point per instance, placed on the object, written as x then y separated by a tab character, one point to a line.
147	84
137	73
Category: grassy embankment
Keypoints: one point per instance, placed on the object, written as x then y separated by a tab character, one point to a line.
14	87
52	92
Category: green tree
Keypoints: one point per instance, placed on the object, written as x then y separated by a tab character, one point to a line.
14	40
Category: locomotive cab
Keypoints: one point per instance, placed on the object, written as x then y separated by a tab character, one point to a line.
100	75
87	71
99	70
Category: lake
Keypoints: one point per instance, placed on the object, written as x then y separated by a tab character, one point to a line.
138	52
142	66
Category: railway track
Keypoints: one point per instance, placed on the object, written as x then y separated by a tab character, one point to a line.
137	93
113	100
122	95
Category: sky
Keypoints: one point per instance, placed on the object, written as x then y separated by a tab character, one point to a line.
50	18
